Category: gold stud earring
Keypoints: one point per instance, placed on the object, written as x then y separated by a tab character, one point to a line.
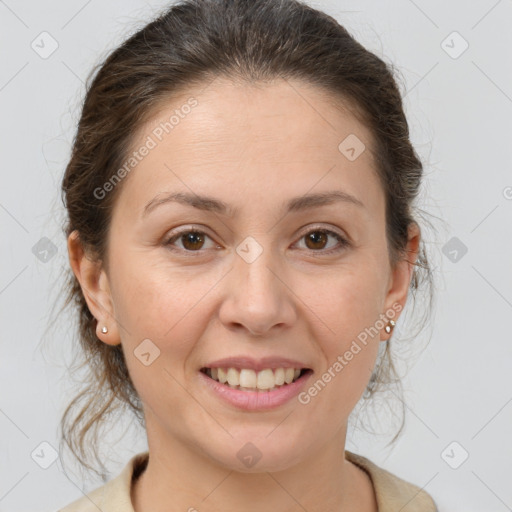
390	326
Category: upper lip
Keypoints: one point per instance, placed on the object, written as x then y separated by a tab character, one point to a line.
257	365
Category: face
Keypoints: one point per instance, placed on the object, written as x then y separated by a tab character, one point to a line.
256	272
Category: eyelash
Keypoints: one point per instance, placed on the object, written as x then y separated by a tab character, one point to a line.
343	243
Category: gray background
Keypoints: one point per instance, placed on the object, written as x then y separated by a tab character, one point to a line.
459	104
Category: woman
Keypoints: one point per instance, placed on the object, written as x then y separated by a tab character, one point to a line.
241	236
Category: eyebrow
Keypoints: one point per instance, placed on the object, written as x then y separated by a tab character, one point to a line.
215	205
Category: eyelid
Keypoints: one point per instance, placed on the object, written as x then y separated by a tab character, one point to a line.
322	227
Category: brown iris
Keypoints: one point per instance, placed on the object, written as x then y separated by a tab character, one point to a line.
316	237
194	239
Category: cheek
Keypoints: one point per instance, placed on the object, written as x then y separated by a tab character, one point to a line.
157	305
161	303
349	301
350	329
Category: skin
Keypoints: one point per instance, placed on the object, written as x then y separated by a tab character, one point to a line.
253	148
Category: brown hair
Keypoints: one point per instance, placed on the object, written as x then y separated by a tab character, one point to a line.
192	42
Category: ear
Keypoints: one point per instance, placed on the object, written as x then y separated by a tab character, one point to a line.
401	275
95	287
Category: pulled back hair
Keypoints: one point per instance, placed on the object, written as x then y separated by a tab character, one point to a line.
191	43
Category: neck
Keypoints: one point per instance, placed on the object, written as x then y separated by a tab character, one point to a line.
181	478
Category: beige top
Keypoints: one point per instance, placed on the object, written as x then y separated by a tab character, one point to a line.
392	492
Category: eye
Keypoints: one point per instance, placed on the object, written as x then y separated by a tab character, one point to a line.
192	240
317	240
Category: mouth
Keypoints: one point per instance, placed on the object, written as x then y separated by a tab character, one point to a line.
246	379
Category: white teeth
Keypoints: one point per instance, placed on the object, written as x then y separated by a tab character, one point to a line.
265	379
233	377
288	375
248	378
251	380
222	375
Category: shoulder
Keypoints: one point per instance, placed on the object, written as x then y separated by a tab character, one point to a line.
392	492
115	495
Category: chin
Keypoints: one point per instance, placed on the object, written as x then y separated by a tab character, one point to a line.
259	453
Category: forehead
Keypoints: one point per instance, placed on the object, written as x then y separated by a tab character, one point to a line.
225	112
244	142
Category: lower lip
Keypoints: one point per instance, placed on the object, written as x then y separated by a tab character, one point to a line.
256	400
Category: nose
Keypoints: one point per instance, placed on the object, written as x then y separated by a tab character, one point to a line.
257	297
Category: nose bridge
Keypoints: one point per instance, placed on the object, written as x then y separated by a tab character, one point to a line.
258	299
252	267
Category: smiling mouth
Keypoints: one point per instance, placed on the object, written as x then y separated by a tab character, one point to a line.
249	380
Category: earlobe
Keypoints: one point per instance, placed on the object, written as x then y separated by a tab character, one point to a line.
95	288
